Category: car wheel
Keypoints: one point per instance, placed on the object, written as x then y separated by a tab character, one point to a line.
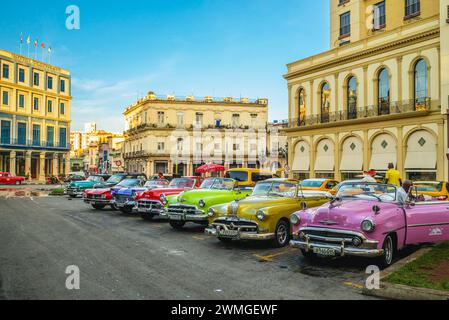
177	225
282	234
98	206
389	254
114	207
72	196
18	183
126	210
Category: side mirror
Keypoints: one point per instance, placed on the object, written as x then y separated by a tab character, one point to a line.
303	206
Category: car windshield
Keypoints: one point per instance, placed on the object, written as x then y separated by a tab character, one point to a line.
428	187
182	183
241	176
218	183
156	184
368	191
312	183
115	179
95	179
129	183
277	189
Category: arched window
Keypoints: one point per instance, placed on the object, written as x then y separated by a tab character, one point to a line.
421	85
384	92
301	108
352	98
325	102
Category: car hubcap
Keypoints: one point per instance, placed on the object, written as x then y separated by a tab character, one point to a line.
388	251
282	234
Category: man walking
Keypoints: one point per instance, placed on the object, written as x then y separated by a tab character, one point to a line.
393	176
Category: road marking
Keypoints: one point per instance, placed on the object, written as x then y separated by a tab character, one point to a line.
199	238
353	285
270	257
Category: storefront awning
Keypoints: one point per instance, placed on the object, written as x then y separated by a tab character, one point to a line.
380	161
301	162
351	162
324	162
426	160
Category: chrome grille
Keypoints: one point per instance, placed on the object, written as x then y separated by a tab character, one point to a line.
240	225
122	198
182	209
322	235
147	204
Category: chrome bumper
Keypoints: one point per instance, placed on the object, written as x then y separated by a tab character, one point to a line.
98	201
72	192
340	250
155	212
240	235
187	217
125	204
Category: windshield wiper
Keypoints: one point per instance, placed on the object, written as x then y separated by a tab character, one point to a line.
276	194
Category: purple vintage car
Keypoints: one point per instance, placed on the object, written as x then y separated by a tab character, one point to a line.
369	220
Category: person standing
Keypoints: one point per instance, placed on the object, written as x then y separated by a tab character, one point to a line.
393	176
370	176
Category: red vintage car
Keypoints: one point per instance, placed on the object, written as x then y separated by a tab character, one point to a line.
7	178
151	203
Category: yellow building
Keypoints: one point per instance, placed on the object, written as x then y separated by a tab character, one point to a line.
378	96
35	118
172	135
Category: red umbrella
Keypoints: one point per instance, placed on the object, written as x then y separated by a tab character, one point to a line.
211	167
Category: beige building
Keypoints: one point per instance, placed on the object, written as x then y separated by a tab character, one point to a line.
177	134
35	109
379	95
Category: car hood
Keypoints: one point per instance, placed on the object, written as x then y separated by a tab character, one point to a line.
97	191
345	215
82	184
129	191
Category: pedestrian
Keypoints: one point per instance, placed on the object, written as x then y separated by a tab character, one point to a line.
393	176
369	176
160	176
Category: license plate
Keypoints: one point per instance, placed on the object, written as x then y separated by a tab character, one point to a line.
176	217
324	252
228	233
142	210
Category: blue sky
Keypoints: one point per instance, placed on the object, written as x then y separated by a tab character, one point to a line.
201	47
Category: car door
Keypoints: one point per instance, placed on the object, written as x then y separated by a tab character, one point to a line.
427	222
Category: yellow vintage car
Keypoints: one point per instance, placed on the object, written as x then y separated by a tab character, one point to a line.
265	215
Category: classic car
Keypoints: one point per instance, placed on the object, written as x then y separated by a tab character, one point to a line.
318	184
7	178
265	215
248	177
77	188
193	205
437	190
152	203
369	220
125	198
75	176
119	177
335	189
100	198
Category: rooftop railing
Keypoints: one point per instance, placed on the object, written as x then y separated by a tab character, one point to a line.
32	144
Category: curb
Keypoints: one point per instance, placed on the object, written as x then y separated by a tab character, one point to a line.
402	292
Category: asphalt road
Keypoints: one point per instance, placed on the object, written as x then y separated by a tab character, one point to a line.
124	257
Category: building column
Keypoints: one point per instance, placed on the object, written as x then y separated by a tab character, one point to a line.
28	164
291	157
1	164
12	163
55	164
401	153
337	159
441	153
312	157
366	151
67	164
41	176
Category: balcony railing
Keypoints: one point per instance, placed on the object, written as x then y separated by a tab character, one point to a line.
385	109
151	126
20	143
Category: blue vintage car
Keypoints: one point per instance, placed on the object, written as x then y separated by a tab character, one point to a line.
124	196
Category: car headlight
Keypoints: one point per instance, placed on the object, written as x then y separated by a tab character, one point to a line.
261	215
163	199
295	219
202	203
211	212
368	225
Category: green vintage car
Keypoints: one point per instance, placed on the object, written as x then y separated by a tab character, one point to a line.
193	205
266	214
77	188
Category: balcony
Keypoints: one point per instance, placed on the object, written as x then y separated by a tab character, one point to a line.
370	113
152	126
37	145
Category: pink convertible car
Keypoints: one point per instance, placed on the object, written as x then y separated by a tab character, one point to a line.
369	220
